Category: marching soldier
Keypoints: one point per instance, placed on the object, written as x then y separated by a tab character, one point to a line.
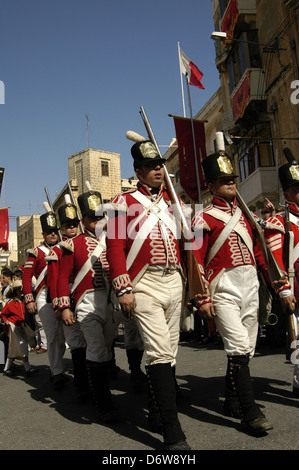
285	248
145	270
228	256
69	222
84	261
36	265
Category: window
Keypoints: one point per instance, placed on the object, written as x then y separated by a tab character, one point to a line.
105	168
243	56
253	153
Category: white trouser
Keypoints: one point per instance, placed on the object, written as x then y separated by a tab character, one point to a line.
236	302
99	323
54	333
41	338
133	338
74	336
158	312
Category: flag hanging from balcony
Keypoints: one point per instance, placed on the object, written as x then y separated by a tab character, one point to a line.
229	19
188	68
241	97
4	228
187	154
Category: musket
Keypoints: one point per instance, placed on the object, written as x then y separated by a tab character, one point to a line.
74	203
288	246
274	271
196	283
51	207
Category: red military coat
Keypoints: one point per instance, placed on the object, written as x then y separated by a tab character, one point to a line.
235	251
75	252
53	260
275	236
128	258
35	266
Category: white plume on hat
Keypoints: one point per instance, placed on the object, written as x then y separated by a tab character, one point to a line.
88	185
134	136
47	206
67	199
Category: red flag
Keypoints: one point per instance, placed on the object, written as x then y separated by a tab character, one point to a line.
188	68
229	20
4	229
188	176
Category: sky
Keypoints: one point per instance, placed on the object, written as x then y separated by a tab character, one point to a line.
63	60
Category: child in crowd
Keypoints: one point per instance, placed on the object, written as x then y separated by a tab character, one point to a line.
19	333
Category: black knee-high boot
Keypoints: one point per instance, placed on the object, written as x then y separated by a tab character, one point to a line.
153	418
252	416
179	393
162	387
80	373
100	390
231	404
138	378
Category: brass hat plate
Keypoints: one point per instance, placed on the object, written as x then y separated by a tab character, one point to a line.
294	170
70	212
93	202
148	150
225	165
51	221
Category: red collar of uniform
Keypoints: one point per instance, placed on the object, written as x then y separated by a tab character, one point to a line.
49	246
144	189
294	208
224	205
89	234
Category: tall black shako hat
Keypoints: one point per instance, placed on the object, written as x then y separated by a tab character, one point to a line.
68	212
143	151
48	220
218	165
90	203
289	173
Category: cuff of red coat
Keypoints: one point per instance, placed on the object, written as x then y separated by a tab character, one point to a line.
122	284
284	293
28	298
285	290
64	302
199	303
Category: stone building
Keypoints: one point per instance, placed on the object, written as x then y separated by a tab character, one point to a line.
29	235
257	69
100	168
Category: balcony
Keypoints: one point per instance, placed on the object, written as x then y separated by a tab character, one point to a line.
237	11
260	184
251	87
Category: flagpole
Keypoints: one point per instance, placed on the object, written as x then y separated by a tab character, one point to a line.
182	85
194	145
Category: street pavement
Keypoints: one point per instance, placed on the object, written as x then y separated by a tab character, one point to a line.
34	417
